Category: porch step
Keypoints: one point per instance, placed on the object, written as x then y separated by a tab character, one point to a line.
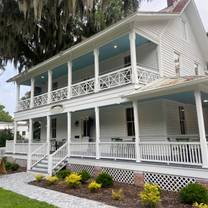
42	166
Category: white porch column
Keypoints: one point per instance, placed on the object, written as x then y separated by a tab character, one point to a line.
17	96
69	79
50	73
96	62
97	131
201	126
48	133
136	127
15	135
29	143
32	93
132	39
69	132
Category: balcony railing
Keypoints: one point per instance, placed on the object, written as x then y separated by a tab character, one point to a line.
110	80
59	95
24	104
40	100
116	78
146	76
83	88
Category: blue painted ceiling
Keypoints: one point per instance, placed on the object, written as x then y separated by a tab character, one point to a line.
105	52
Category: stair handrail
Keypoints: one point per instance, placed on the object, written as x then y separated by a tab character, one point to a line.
42	150
62	152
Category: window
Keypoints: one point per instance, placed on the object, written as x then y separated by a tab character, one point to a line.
196	69
37	130
53	127
23	133
177	63
182	119
127	61
86	128
130	122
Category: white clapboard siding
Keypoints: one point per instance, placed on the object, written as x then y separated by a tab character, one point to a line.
172	40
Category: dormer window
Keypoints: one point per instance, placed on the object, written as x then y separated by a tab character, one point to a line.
196	69
177	63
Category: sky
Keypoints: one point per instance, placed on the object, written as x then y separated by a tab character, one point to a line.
7	90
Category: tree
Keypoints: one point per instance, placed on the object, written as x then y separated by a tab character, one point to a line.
32	31
5	135
4	116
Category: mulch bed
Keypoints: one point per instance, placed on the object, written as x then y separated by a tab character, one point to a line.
20	169
130	200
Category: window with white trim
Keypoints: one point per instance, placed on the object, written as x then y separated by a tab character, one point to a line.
177	63
182	119
130	122
53	127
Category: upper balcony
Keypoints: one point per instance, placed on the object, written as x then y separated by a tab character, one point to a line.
129	59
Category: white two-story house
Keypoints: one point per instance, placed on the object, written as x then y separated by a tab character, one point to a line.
131	100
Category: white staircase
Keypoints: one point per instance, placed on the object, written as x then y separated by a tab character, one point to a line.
44	164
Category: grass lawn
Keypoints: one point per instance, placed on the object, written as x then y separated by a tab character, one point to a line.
10	199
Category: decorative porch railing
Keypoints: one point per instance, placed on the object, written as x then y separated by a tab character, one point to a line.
40	100
118	150
83	149
146	76
59	95
24	104
116	78
57	158
106	81
171	152
83	88
38	154
9	146
20	148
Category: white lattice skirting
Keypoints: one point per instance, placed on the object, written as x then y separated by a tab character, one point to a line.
168	182
79	168
120	175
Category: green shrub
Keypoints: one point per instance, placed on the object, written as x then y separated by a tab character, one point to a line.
150	196
39	177
105	179
85	176
73	180
11	166
194	192
94	186
62	174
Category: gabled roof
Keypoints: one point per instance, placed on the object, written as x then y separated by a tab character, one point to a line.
178	7
166	84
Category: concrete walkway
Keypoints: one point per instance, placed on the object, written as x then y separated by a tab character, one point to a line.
19	183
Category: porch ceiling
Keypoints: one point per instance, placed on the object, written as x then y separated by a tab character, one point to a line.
186	98
113	48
